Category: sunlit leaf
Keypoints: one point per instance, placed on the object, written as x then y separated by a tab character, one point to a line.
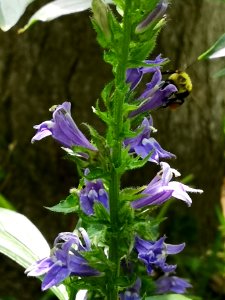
21	241
57	9
27	241
11	11
69	205
217	50
218	54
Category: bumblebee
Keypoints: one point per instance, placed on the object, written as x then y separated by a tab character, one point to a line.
183	83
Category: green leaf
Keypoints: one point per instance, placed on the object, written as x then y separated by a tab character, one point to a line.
98	260
21	241
168	297
96	233
217	50
69	205
127	108
103	42
126	213
5	203
104	116
116	29
96	137
138	162
101	212
147	227
96	173
142	50
107	92
11	11
130	194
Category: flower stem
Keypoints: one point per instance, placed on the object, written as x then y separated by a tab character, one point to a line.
115	176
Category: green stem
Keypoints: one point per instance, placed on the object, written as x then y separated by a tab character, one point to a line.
115	176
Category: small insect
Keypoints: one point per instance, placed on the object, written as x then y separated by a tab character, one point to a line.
183	83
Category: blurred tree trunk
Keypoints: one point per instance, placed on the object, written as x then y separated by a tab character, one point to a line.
61	61
194	132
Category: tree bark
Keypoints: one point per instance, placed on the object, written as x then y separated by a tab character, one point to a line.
61	60
194	132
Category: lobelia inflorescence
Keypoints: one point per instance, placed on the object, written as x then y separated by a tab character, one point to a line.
114	253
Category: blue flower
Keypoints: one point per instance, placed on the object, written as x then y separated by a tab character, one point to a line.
154	253
65	260
157	93
143	144
174	284
63	129
156	14
161	189
134	75
93	191
132	293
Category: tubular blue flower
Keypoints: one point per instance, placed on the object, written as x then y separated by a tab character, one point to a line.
66	260
134	75
91	193
132	293
157	93
161	189
144	145
154	253
63	129
174	284
155	15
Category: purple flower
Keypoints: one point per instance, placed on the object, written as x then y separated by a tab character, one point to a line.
174	284
156	14
154	253
65	260
94	191
63	129
134	75
132	293
143	144
155	98
161	189
157	93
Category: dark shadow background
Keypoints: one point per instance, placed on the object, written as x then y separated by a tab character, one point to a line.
60	60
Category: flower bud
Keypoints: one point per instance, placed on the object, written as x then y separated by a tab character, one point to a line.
154	15
100	14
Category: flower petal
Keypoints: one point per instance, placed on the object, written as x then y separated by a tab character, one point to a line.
40	267
174	284
174	249
55	275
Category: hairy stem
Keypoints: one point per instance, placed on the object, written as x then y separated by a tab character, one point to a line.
114	188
